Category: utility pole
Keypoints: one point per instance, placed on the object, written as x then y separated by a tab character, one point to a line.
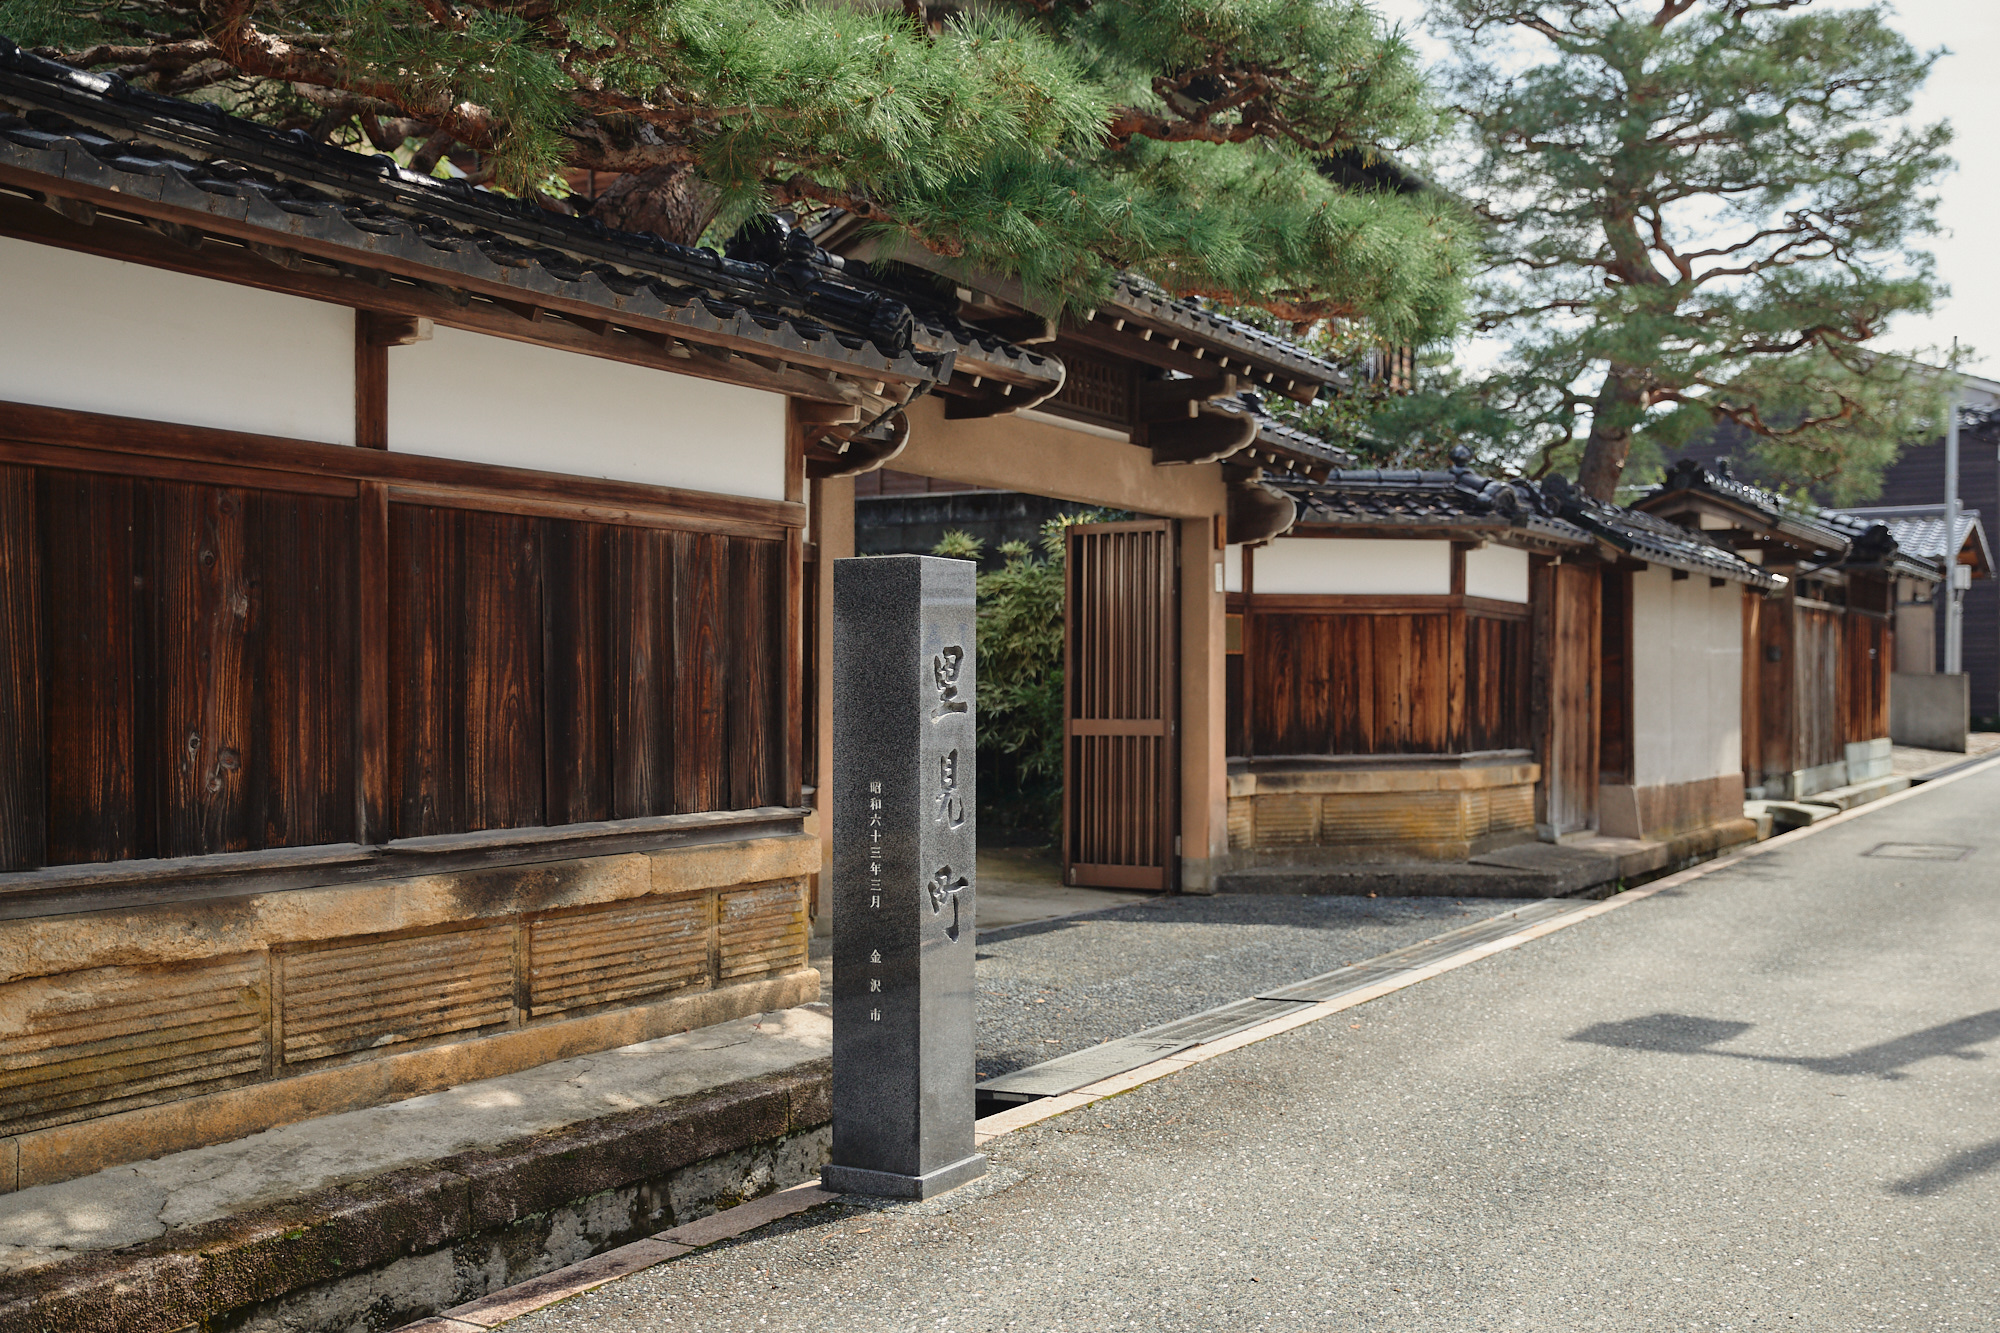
1954	606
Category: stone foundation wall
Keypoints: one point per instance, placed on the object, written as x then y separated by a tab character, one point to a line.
1667	810
1445	812
129	1033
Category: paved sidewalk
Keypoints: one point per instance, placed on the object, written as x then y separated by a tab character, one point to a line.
1764	1099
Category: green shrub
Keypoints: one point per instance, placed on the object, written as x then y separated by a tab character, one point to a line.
1021	681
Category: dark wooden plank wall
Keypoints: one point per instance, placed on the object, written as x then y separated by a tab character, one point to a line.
185	668
1571	746
1820	735
1870	643
1754	702
189	654
550	671
1614	731
24	792
1498	701
1334	683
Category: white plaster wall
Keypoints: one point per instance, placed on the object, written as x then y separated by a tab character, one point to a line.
101	335
1687	673
1352	565
1498	572
491	400
1232	569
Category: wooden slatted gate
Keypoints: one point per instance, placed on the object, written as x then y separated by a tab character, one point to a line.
1120	694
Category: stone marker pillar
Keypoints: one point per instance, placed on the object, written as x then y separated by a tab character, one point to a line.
903	854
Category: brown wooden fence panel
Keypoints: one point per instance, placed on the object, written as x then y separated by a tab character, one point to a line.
465	671
1870	651
701	657
1362	683
1497	668
641	671
1119	680
182	670
89	566
24	792
300	788
1570	763
1820	736
576	676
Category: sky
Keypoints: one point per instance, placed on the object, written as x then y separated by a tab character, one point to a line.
1961	90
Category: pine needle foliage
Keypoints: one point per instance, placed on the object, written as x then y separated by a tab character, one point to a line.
1698	211
1056	140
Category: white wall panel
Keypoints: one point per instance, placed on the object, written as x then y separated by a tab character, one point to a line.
101	335
490	400
1687	672
1232	568
1352	565
1498	572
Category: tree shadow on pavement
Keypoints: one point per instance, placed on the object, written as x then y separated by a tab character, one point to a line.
1681	1034
1954	1170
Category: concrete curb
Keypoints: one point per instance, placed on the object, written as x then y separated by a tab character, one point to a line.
669	1245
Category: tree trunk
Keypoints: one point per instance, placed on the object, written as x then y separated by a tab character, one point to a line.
1620	401
672	202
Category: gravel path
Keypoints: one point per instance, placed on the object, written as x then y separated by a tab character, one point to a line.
1055	987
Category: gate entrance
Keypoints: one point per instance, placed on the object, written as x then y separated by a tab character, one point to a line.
1121	688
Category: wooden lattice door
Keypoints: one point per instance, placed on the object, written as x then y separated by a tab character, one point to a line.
1120	686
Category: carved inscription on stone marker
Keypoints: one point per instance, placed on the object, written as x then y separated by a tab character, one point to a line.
903	795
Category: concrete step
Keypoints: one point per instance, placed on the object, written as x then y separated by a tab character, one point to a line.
461	1192
1788	815
1861	793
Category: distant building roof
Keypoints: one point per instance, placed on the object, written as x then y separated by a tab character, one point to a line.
1646	537
1920	531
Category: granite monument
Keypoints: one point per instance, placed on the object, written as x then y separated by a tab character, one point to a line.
904	849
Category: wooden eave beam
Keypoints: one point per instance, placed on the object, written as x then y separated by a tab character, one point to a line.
1175	348
1100	336
249	234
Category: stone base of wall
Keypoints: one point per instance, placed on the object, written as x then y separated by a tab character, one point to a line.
1445	810
1668	810
388	1249
130	1033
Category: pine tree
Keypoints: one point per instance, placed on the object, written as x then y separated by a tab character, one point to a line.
1057	140
1699	212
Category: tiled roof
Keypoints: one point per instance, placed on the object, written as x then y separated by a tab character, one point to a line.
1135	296
793	254
1460	497
1806	525
1280	445
1654	540
1919	530
97	130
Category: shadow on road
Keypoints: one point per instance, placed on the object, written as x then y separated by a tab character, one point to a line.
1955	1169
1681	1034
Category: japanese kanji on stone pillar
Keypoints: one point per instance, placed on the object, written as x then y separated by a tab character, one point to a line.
903	857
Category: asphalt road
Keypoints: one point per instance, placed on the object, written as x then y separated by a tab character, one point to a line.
1766	1100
